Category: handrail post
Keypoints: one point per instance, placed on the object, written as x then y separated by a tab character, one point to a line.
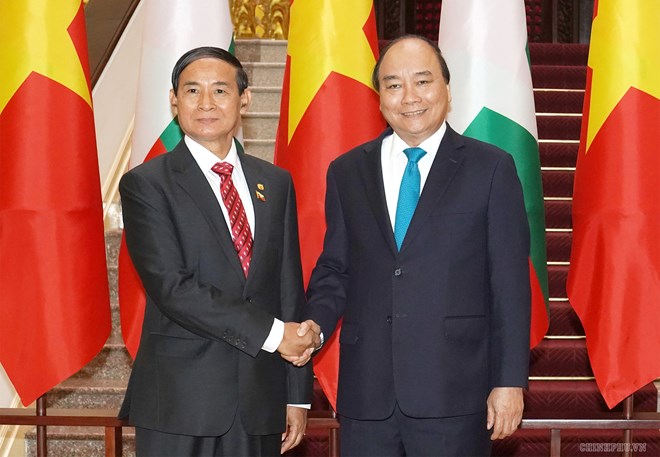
42	439
627	433
113	442
333	440
555	442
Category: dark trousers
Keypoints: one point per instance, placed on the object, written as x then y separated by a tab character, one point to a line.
404	436
235	443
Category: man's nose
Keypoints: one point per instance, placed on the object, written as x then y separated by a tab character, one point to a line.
410	94
206	100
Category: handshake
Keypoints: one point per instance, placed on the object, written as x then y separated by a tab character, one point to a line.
299	342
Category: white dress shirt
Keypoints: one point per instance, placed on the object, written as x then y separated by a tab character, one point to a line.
206	159
394	162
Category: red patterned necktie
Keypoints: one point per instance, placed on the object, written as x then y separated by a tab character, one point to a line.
240	228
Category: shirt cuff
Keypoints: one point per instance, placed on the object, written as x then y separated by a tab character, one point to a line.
274	337
300	405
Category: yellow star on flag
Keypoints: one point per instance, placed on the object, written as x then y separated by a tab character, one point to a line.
325	36
36	40
626	56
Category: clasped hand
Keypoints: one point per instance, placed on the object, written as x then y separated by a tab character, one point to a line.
299	342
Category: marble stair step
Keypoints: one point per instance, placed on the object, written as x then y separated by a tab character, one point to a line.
247	50
112	363
92	393
264	149
266	99
78	442
264	74
260	125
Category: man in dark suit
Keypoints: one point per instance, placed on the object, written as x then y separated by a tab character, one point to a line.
213	235
426	260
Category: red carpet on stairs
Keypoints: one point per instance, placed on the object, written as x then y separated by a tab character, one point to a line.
559	75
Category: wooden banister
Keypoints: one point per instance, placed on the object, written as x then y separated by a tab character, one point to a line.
318	420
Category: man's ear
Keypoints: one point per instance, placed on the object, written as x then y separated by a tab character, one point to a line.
173	102
246	99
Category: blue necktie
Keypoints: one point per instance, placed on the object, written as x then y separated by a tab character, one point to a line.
408	194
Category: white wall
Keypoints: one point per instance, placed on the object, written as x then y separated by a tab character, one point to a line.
114	96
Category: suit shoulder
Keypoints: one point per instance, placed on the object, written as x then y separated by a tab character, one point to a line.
269	169
483	149
152	170
348	158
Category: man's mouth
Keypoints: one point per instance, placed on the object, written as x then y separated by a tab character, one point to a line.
413	113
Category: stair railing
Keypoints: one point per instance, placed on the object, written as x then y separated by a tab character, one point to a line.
326	420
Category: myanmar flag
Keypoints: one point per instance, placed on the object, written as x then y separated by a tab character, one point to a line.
328	107
171	28
485	45
54	299
614	276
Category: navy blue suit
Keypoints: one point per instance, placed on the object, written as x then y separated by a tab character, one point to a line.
434	327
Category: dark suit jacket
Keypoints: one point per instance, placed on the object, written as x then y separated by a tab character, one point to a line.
435	326
200	362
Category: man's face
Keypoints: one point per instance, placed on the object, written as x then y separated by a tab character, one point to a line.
208	104
414	97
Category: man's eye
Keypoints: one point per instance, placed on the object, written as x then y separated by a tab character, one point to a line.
423	82
220	91
192	90
393	86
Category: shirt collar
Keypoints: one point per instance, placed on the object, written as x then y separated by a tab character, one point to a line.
430	145
206	159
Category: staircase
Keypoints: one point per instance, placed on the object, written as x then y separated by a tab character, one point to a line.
561	381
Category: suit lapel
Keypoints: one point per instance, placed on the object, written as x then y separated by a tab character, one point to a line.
257	181
194	183
370	169
447	161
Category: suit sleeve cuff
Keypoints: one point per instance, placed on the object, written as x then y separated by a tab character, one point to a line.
274	337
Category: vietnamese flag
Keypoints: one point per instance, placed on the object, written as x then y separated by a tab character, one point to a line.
485	46
328	107
614	277
54	299
171	28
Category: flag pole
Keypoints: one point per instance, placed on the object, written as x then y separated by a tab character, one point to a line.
42	442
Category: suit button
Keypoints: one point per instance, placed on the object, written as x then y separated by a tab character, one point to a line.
397	272
389	319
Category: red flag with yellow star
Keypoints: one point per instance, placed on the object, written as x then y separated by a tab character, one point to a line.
54	298
328	107
614	277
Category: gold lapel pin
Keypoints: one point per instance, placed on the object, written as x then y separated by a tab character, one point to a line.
260	186
260	196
